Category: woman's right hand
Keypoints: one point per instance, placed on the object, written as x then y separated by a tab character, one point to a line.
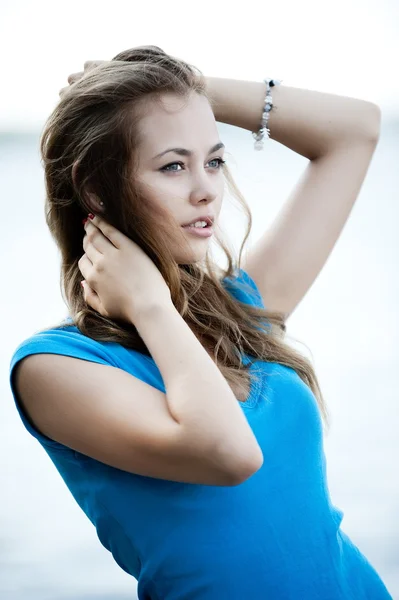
120	279
74	77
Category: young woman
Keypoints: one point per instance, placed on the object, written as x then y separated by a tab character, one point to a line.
184	425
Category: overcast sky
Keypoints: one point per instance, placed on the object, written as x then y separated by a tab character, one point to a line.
349	47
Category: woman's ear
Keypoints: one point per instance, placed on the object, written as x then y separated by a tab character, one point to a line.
96	205
93	201
74	169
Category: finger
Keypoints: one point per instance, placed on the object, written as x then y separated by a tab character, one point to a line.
96	237
90	296
92	253
63	90
85	267
92	64
110	232
75	76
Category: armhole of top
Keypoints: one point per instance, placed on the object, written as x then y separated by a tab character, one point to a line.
248	279
244	289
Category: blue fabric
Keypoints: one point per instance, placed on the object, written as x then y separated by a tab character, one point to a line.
275	536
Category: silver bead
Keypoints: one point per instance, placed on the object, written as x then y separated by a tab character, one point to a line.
264	120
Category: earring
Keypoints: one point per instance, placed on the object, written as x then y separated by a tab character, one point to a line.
101	203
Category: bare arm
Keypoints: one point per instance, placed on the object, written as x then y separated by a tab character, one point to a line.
198	396
195	433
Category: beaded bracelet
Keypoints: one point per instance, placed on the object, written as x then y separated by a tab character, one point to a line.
259	135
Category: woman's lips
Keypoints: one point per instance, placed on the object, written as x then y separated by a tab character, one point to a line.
200	231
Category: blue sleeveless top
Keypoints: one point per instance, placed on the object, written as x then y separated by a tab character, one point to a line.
275	536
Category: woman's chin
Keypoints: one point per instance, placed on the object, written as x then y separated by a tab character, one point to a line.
190	260
191	252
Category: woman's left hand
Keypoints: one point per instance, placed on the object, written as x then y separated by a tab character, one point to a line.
74	77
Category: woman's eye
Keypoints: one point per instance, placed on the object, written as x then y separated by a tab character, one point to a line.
168	168
219	162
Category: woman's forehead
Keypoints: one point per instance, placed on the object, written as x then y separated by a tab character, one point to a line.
181	122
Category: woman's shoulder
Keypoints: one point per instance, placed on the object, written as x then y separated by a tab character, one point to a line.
65	339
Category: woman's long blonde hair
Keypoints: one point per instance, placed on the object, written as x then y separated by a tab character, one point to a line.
95	128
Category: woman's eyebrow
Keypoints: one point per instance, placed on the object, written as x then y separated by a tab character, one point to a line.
184	152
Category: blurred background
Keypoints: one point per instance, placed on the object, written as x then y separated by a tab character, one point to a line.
348	320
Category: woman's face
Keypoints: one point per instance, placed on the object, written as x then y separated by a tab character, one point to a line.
188	180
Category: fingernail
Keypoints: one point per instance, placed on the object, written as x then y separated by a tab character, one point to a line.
84	221
91	216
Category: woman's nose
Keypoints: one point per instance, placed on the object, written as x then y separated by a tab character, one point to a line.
204	189
200	195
